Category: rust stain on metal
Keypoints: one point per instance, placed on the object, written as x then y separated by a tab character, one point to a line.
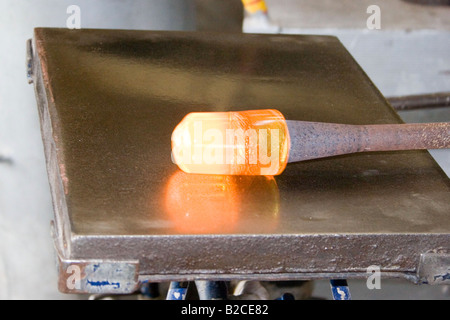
41	51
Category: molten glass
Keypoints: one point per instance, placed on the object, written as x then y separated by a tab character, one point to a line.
252	142
203	204
221	204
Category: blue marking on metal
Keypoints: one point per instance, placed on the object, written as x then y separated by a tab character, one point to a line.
340	290
177	291
286	296
443	277
116	285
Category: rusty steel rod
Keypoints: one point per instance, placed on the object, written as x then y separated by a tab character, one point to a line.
420	102
312	140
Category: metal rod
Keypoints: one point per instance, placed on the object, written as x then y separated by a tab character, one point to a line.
211	290
177	290
150	290
312	140
423	101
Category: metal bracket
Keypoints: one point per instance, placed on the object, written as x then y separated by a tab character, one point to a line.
29	61
97	277
434	268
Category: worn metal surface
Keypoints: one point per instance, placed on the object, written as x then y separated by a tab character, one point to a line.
312	140
96	276
109	101
434	267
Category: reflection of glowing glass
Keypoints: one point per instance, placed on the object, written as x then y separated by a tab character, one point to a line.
252	142
221	203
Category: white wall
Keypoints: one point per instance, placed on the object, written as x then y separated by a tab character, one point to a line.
27	267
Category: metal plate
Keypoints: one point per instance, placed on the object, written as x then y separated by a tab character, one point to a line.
109	100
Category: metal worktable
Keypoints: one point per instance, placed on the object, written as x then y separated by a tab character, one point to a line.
124	213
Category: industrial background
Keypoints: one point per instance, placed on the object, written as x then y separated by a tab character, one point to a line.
407	56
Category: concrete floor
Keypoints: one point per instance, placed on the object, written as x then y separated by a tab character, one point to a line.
401	59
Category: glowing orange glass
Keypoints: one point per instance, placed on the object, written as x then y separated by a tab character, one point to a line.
252	142
196	204
205	204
